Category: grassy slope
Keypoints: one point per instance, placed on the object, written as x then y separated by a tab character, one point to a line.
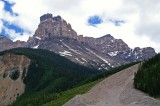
65	96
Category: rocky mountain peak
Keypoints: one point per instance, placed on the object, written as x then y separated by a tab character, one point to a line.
108	44
50	16
57	35
147	51
6	43
57	18
4	39
54	27
50	27
107	36
45	17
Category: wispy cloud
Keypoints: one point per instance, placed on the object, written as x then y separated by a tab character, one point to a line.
12	27
117	22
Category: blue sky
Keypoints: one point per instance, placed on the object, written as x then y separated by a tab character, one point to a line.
130	20
94	20
8	8
12	27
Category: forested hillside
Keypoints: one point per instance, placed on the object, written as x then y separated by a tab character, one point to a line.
65	96
51	78
48	74
147	79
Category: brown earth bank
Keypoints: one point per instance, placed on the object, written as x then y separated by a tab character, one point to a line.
12	69
117	90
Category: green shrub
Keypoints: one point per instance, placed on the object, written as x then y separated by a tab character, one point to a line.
14	75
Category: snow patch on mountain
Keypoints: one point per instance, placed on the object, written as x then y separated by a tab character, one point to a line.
84	59
35	47
38	38
75	51
113	53
99	57
79	60
65	53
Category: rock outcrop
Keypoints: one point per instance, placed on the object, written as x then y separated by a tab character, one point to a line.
6	43
13	69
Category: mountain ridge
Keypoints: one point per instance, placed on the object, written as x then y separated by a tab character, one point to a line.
57	35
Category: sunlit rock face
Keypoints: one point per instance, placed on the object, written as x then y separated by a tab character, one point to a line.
57	35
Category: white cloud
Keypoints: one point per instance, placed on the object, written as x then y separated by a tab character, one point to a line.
148	17
22	37
1	10
16	36
141	16
1	26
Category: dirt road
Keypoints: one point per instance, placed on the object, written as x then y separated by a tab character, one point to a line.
116	90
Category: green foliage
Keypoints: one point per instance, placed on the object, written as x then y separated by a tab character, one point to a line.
48	74
63	97
148	76
52	80
108	73
14	75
